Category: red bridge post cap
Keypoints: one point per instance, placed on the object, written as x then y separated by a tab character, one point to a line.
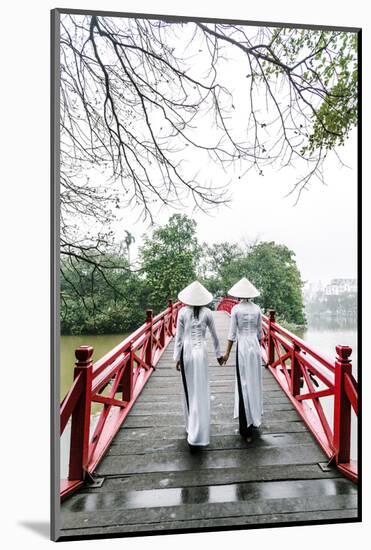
272	314
149	314
83	354
344	353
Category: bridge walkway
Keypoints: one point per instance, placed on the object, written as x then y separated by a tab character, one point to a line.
153	484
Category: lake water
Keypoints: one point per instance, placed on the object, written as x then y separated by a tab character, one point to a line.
101	343
325	334
322	334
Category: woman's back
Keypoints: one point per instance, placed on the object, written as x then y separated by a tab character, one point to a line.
192	325
245	320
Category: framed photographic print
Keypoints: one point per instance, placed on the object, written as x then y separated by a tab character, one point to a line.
205	339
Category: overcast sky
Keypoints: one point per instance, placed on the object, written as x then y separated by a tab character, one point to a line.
320	229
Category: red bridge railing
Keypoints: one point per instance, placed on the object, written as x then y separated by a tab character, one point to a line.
307	377
125	370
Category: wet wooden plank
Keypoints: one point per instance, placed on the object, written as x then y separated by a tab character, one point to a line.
157	480
229	386
218	406
158	397
178	390
214	382
217	523
210	495
178	432
152	444
215	373
188	512
134	421
236	458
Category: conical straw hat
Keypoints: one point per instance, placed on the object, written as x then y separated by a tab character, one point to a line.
243	289
195	295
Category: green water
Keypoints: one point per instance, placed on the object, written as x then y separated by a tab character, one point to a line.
101	343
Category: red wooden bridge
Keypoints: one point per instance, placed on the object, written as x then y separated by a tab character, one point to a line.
131	471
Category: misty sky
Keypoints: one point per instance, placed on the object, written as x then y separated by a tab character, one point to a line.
321	229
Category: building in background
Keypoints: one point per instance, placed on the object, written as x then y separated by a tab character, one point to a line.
337	298
341	286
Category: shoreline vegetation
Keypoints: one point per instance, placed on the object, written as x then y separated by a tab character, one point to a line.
292	327
113	297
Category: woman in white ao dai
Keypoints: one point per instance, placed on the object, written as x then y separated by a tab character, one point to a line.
246	330
190	353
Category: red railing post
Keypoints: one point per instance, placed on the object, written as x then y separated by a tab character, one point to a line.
80	423
165	322
342	407
127	378
149	321
172	324
163	333
271	319
295	370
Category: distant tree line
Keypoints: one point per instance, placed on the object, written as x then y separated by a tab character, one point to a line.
114	300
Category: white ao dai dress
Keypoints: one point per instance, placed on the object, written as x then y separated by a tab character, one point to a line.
246	331
191	350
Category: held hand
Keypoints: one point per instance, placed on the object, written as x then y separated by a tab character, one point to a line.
220	360
177	366
225	358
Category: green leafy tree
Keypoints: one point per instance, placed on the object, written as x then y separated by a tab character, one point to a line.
272	269
314	69
219	254
169	259
214	258
101	302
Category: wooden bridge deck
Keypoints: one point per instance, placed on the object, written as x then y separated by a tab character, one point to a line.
152	482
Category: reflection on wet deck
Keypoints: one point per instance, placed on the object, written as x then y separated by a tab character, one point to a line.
235	492
152	483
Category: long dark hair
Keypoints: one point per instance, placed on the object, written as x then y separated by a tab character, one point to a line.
196	311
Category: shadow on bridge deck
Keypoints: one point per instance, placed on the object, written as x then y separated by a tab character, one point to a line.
152	483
